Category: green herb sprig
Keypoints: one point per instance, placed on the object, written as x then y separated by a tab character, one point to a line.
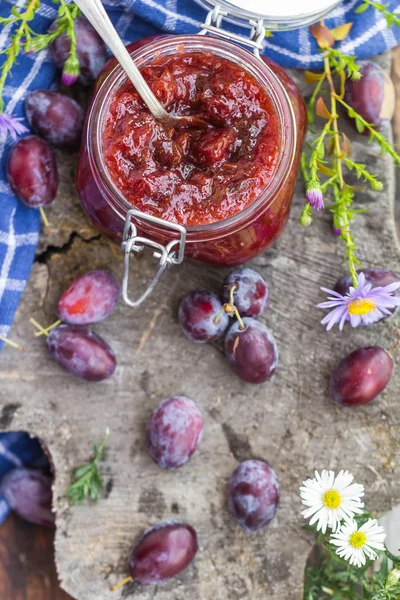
391	18
22	18
26	39
86	480
330	151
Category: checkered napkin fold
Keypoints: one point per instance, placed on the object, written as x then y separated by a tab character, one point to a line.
133	19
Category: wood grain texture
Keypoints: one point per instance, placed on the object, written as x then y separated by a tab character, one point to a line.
289	422
27	570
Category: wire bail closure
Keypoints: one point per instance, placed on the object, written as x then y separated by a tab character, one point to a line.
167	255
212	24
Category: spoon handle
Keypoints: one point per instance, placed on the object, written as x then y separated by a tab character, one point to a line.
95	13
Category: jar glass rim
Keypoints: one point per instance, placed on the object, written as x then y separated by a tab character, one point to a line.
263	73
284	15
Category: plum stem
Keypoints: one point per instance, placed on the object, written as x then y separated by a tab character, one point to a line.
38	326
239	318
12	344
396	333
45	331
45	219
121	584
230	309
232	291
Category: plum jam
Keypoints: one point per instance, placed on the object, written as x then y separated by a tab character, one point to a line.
193	176
228	184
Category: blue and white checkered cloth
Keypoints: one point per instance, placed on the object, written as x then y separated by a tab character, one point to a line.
19	225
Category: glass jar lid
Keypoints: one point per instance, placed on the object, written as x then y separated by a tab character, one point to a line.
277	15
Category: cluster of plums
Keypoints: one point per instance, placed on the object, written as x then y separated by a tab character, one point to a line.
56	119
89	299
249	346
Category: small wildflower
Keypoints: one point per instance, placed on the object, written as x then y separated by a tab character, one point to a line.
356	544
362	305
314	196
12	126
331	499
337	230
71	70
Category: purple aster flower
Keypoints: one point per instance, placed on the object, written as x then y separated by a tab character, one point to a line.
314	196
11	125
364	305
337	230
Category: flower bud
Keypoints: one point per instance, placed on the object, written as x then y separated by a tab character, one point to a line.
71	70
314	196
393	578
305	219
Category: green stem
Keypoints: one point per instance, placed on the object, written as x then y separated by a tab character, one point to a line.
382	8
395	559
317	152
342	206
311	102
303	166
70	28
328	183
338	150
346	234
386	147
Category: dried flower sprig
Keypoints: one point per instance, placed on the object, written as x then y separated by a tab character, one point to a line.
391	18
330	155
86	480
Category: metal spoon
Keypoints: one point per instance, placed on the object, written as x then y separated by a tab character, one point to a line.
95	13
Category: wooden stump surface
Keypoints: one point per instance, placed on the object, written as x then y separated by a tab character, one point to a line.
289	422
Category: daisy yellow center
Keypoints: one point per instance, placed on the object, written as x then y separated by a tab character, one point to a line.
332	499
360	306
357	539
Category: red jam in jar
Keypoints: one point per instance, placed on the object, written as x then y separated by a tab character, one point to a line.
193	176
229	184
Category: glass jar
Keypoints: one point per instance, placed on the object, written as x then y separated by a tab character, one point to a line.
225	243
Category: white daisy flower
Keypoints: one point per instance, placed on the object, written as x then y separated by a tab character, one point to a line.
356	544
330	499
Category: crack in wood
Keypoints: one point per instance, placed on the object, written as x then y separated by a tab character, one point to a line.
45	256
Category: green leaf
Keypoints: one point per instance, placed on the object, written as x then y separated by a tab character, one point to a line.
389	20
359	124
6	20
362	8
351	112
341	32
81	471
321	151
